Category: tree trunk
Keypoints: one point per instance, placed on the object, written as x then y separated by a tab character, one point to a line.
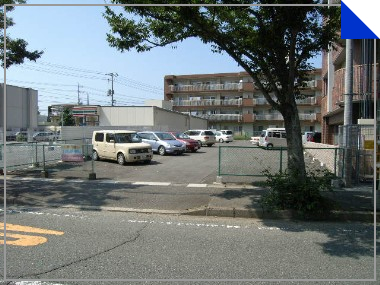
296	162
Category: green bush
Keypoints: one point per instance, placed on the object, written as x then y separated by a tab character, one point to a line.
302	197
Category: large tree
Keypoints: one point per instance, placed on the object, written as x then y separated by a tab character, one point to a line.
16	48
271	43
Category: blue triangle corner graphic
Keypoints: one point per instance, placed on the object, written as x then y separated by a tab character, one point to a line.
352	27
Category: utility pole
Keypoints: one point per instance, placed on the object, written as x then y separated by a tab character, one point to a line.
347	128
79	103
112	92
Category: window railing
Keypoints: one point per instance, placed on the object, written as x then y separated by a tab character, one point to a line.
208	102
206	87
221	117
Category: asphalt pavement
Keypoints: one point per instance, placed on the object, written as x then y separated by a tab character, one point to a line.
63	186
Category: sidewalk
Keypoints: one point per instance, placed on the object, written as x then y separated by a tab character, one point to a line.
225	200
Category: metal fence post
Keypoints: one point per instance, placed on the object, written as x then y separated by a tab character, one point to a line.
36	163
44	173
219	160
335	156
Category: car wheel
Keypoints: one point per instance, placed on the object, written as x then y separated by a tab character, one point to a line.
221	140
209	145
120	159
270	146
161	150
95	155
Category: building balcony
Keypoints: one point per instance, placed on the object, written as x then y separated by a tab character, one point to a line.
307	117
222	117
359	79
313	85
278	117
207	103
269	117
305	101
206	87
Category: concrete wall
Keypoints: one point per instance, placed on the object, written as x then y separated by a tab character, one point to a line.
22	107
135	119
126	116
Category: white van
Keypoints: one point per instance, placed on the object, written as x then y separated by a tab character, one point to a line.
122	146
273	137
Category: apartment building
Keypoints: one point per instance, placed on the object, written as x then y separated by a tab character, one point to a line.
333	92
232	101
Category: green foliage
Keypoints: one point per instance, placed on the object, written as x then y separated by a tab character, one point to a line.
21	138
16	51
302	197
273	44
68	119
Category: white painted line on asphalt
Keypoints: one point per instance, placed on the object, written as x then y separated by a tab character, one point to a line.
152	183
197	185
186	224
35	283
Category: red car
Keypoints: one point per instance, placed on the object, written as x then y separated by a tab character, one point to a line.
191	145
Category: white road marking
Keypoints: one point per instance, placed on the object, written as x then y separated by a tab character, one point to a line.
152	183
197	185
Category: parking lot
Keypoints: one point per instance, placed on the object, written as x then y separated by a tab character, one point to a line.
198	168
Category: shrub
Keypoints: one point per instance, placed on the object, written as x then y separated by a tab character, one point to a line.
302	197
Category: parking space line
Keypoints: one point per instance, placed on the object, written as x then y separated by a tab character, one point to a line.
152	183
197	185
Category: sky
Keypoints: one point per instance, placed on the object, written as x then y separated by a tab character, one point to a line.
78	57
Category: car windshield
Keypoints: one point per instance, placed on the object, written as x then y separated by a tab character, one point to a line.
127	138
165	136
182	136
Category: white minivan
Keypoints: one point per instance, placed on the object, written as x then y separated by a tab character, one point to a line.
273	137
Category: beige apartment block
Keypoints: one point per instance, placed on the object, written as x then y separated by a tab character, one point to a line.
231	101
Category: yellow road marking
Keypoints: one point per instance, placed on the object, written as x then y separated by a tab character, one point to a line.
25	240
18	228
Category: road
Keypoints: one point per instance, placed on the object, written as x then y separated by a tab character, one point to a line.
61	244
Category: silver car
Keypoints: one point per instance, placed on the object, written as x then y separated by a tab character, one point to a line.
163	142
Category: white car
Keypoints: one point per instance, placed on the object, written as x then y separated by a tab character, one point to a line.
44	136
255	140
204	137
222	137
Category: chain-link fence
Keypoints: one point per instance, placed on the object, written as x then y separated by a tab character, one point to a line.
358	140
252	161
36	158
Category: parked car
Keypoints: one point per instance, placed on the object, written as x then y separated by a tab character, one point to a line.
222	137
305	136
255	140
273	137
163	142
315	137
120	145
191	145
204	137
44	136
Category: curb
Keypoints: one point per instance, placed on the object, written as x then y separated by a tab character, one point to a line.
335	216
